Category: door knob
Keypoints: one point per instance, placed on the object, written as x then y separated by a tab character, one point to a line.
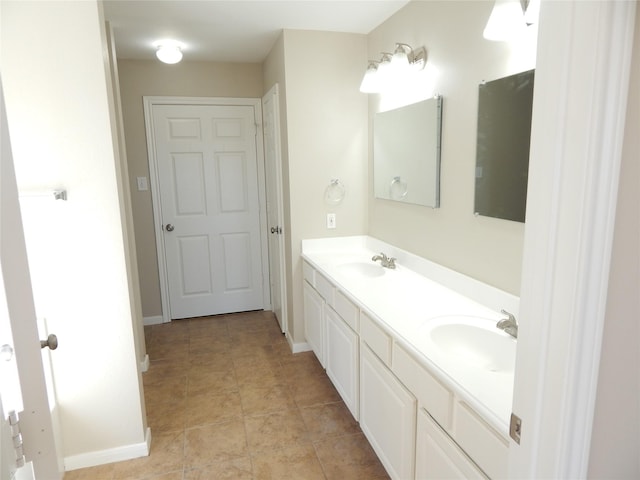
51	342
273	229
169	227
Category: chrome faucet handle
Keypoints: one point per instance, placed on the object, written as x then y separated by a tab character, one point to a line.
511	318
509	325
391	262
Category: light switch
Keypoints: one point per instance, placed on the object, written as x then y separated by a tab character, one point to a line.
142	184
331	220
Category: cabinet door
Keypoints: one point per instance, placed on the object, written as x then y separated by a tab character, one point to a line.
342	359
314	321
438	457
387	416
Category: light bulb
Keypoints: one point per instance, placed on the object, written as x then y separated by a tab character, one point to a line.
169	53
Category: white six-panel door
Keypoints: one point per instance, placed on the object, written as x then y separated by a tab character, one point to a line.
207	176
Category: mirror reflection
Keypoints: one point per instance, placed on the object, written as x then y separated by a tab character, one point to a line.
406	153
502	152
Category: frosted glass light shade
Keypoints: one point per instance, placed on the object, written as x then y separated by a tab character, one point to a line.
370	82
169	53
400	60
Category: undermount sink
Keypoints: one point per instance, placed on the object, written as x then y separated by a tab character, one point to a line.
472	341
361	269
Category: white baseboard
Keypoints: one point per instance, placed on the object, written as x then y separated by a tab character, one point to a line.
110	455
299	347
144	364
155	320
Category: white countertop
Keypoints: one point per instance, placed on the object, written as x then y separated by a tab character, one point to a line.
402	299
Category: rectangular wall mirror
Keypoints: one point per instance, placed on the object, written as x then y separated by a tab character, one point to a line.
406	153
502	151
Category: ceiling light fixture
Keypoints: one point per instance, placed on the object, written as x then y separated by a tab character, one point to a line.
392	68
169	52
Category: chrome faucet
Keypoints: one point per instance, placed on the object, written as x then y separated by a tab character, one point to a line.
509	325
385	261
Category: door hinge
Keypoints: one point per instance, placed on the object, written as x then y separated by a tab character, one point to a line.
515	428
16	437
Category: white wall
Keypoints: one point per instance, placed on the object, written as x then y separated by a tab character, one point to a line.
54	68
327	138
458	60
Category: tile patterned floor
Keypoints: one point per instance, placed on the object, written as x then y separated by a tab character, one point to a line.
226	399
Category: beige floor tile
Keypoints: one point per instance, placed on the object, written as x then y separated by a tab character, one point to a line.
215	443
208	408
207	381
277	415
202	344
349	457
168	351
256	375
300	365
329	420
167	416
212	361
275	431
262	399
167	455
237	469
160	370
313	390
177	475
168	390
297	462
102	472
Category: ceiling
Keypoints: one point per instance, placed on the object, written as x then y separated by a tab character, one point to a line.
234	30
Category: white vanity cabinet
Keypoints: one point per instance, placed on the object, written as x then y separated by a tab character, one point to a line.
387	416
418	422
342	360
314	306
331	325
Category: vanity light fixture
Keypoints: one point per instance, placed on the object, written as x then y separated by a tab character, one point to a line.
392	68
169	51
509	18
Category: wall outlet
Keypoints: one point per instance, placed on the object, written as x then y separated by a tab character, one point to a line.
331	220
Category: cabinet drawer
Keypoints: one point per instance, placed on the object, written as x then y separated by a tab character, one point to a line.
309	274
483	444
347	310
324	288
431	394
377	339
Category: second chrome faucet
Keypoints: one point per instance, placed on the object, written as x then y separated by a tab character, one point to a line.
509	325
385	261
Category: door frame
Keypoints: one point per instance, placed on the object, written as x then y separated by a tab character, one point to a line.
584	52
149	102
274	95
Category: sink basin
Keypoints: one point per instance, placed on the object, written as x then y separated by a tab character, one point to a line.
361	269
472	341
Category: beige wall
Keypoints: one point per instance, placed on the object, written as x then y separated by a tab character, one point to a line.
459	59
327	138
140	78
616	437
